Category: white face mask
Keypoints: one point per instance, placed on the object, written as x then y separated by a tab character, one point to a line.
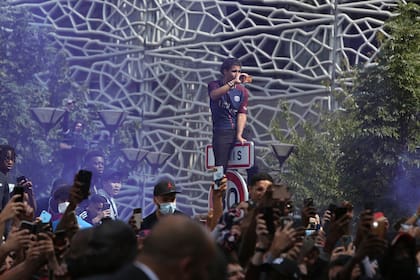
167	208
62	207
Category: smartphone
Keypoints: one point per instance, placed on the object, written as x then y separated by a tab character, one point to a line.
332	207
340	212
45	217
26	225
218	176
379	228
269	219
84	177
106	206
20	190
309	232
137	214
22	179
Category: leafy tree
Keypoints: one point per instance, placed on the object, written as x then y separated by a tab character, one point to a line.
361	152
386	108
33	73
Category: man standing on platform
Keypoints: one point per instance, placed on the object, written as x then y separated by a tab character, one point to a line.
229	108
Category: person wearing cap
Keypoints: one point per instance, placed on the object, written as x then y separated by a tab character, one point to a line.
111	186
164	196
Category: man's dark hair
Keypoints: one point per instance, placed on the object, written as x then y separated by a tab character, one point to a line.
96	198
228	63
6	148
92	154
260	177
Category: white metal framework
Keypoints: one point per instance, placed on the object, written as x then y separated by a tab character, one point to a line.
154	58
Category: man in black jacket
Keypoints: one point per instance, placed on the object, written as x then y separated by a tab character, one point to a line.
164	196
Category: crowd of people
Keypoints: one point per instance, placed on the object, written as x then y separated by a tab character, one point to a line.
75	232
74	235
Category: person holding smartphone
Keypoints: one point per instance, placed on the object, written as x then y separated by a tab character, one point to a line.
111	186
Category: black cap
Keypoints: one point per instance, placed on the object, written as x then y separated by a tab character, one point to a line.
164	187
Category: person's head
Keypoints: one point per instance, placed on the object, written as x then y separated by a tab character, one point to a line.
112	182
101	250
61	199
230	68
278	196
95	205
235	270
258	185
69	104
164	196
95	162
179	246
7	158
78	127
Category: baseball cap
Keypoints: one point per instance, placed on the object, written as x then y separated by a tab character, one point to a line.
164	187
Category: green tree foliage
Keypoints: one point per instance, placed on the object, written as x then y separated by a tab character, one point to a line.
311	170
387	102
33	73
362	150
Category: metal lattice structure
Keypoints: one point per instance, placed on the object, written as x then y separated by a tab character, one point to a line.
154	58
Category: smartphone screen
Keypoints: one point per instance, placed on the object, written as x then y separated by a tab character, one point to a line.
137	214
26	225
218	176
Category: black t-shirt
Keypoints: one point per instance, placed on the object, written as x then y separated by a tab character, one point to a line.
149	222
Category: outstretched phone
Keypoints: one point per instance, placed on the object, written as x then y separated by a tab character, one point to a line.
20	190
85	178
269	219
218	176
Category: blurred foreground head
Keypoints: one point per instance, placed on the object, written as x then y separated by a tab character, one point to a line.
178	246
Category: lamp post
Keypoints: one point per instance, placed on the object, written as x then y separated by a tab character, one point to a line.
47	117
134	156
112	119
282	151
156	160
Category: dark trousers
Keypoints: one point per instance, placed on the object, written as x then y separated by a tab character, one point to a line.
223	142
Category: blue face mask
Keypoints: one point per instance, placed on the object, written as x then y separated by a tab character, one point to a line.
167	208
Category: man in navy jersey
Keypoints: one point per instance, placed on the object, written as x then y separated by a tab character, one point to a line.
228	104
